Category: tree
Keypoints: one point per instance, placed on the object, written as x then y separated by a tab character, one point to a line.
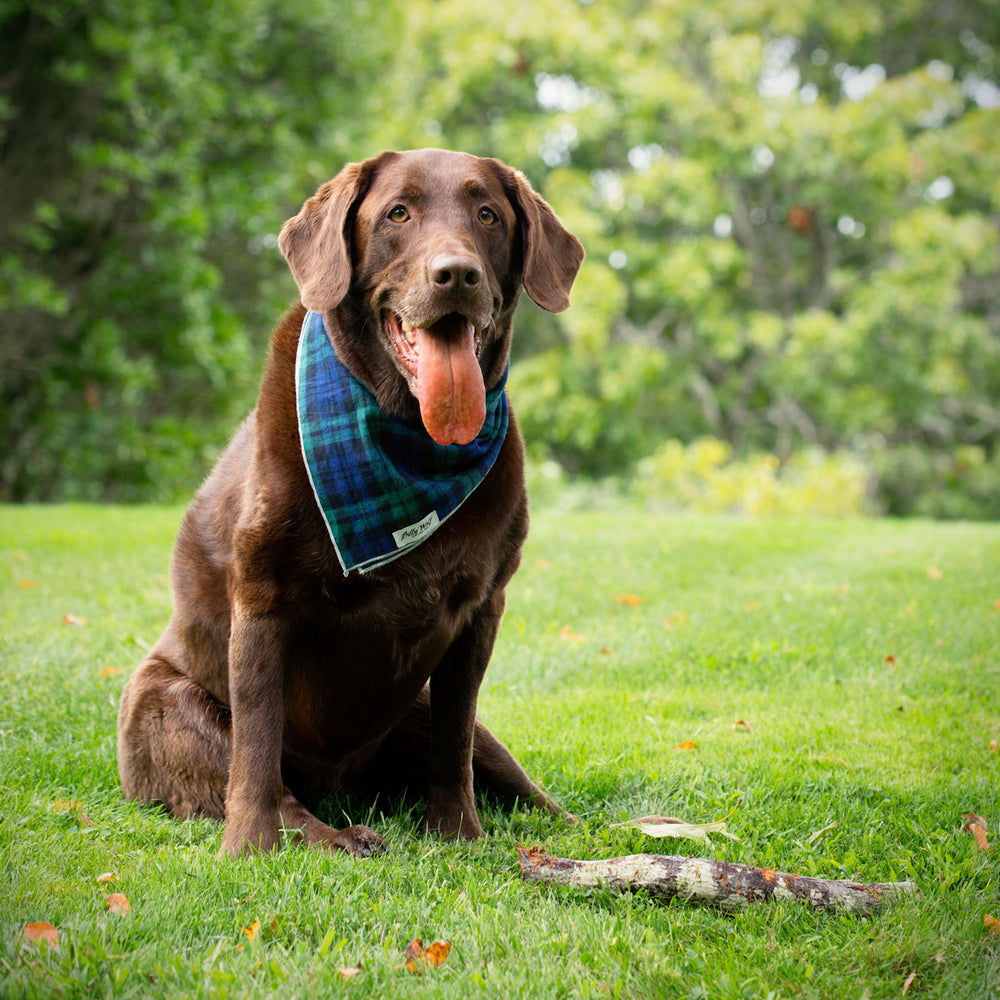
790	214
149	152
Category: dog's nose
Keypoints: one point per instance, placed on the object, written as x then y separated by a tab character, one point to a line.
453	272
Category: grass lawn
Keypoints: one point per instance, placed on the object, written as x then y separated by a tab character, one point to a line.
861	657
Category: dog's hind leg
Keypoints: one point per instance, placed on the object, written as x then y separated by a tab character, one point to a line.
403	755
495	767
174	748
173	741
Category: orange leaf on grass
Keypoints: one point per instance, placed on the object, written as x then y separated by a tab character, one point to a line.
110	671
633	600
433	956
569	635
976	825
251	931
41	933
107	877
27	585
74	620
119	904
350	972
993	746
686	745
66	806
909	982
743	724
991	924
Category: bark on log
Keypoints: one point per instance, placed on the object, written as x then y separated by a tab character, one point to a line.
726	885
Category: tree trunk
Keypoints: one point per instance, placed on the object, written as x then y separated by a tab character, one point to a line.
727	885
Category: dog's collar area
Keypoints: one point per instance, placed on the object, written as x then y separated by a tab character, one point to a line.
382	484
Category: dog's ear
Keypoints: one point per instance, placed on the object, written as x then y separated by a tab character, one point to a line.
317	242
551	255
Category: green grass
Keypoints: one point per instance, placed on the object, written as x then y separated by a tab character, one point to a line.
865	655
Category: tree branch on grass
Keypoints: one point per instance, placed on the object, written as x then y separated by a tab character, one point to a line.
726	885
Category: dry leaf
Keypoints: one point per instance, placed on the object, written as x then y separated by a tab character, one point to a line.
606	652
994	744
977	826
436	954
909	982
107	877
66	806
251	931
671	826
74	620
991	924
110	671
350	973
40	933
569	635
27	585
743	724
117	903
433	956
633	600
686	745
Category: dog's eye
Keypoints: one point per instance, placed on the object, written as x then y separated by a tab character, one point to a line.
398	213
487	216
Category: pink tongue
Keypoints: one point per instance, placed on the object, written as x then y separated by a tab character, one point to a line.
449	383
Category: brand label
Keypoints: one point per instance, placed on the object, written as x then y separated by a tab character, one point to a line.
414	533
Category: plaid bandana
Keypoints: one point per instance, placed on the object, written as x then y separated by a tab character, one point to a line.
382	483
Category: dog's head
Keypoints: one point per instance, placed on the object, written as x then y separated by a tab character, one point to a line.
418	259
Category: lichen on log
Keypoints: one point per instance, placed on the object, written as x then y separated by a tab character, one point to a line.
723	884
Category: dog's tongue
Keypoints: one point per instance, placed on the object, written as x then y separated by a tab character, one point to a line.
450	386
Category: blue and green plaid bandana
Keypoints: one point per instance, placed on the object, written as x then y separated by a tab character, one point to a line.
382	483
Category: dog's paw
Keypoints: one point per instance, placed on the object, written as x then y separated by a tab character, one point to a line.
358	840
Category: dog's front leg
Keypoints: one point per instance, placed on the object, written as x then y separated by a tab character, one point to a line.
451	806
256	695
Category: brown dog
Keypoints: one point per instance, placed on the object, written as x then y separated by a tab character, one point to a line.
282	676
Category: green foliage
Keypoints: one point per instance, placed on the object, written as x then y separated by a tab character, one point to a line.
860	652
703	477
789	210
149	154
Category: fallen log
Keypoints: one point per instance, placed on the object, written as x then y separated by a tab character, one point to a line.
726	885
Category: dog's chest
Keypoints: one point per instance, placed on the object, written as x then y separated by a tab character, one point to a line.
354	669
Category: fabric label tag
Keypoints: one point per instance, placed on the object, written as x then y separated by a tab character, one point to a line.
414	532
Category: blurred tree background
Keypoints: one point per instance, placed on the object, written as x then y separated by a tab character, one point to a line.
790	209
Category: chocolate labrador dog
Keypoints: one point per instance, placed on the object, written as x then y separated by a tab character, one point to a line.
339	579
